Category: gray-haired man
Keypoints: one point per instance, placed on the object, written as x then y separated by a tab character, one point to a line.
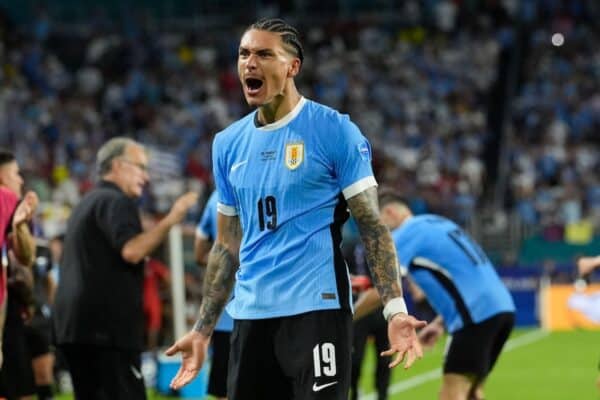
98	311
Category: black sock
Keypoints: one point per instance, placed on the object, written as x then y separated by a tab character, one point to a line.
44	392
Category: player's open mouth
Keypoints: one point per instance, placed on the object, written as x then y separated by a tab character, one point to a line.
253	85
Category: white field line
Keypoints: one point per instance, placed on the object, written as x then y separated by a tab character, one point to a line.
417	380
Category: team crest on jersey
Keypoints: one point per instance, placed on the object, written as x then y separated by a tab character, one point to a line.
294	155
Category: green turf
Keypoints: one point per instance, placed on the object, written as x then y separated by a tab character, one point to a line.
559	366
555	367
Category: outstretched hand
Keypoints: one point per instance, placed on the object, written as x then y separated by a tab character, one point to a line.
193	347
403	340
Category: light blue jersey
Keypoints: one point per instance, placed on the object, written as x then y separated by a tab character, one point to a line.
207	229
287	182
458	279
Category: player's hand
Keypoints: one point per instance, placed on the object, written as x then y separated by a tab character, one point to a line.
183	204
32	199
193	347
23	213
430	334
585	265
403	340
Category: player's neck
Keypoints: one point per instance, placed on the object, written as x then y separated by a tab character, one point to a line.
281	106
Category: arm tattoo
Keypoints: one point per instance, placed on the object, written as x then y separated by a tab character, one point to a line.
379	246
222	265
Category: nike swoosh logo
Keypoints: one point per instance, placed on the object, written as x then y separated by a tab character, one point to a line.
136	372
318	388
237	165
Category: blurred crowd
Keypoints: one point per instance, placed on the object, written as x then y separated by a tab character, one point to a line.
418	88
554	149
418	92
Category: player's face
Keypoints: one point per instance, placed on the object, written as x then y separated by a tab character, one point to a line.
133	171
264	65
11	178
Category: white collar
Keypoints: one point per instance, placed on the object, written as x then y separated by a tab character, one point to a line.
285	120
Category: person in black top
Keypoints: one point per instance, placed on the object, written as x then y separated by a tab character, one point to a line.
99	320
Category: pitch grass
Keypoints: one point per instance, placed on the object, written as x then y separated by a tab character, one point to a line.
557	366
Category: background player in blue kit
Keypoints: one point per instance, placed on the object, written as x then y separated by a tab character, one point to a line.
286	175
206	232
463	287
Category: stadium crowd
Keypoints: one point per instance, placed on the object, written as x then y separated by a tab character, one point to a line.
555	148
418	93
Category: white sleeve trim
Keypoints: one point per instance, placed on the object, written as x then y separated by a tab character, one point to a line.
230	211
359	186
393	307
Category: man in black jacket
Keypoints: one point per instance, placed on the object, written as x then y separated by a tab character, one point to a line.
98	310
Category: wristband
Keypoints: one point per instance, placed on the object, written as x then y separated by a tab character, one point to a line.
393	307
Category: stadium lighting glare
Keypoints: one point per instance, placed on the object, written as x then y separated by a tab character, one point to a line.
558	39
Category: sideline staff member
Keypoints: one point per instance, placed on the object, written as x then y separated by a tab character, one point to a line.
99	317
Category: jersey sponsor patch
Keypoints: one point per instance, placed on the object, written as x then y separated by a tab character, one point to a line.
364	149
294	155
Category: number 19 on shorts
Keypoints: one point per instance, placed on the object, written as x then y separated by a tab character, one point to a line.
324	359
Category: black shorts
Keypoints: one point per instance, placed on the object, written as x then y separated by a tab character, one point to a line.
16	374
474	349
38	341
300	357
217	383
104	373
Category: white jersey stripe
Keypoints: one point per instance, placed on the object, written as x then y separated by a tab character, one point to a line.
359	186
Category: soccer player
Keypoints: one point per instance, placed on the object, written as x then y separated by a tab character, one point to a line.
206	232
463	287
286	175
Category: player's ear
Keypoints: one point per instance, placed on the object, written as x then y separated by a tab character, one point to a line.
294	67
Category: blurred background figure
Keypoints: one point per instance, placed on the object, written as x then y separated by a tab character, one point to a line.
16	281
461	283
156	275
99	320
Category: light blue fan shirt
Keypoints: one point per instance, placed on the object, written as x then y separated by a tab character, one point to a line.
288	182
458	279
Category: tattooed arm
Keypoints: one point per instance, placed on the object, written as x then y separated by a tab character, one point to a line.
223	261
379	246
383	263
